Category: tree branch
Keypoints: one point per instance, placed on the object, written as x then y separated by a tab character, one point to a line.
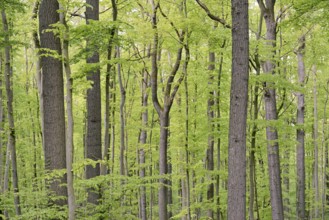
212	16
261	6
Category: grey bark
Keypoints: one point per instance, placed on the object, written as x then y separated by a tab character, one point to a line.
185	184
300	156
210	164
238	112
93	133
107	125
122	118
169	91
271	113
52	98
70	122
143	141
10	114
316	211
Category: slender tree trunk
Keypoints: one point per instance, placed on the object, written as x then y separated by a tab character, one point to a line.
210	164
2	153
70	122
10	114
300	157
218	111
143	141
6	178
238	112
316	151
325	156
107	125
169	91
187	183
122	119
94	123
271	113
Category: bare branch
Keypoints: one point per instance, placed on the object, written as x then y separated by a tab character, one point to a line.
212	16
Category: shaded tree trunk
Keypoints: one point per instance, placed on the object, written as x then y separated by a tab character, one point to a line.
52	98
93	133
238	112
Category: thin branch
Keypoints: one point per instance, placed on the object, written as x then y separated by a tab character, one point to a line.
171	23
262	5
282	13
212	16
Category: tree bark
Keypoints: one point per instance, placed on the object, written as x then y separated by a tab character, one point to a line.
316	213
238	112
70	122
143	141
94	126
300	156
271	113
108	94
210	164
170	90
10	114
52	98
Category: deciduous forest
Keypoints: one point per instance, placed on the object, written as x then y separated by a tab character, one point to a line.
164	109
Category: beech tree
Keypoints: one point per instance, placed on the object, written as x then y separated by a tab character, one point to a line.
52	91
175	140
238	112
94	123
267	10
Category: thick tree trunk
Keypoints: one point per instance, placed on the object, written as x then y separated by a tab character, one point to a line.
238	112
271	113
94	126
300	157
52	98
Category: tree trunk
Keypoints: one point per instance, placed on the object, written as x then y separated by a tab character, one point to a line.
70	122
52	98
210	165
107	125
2	153
10	114
300	157
316	151
143	141
187	183
238	112
94	126
271	113
325	177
